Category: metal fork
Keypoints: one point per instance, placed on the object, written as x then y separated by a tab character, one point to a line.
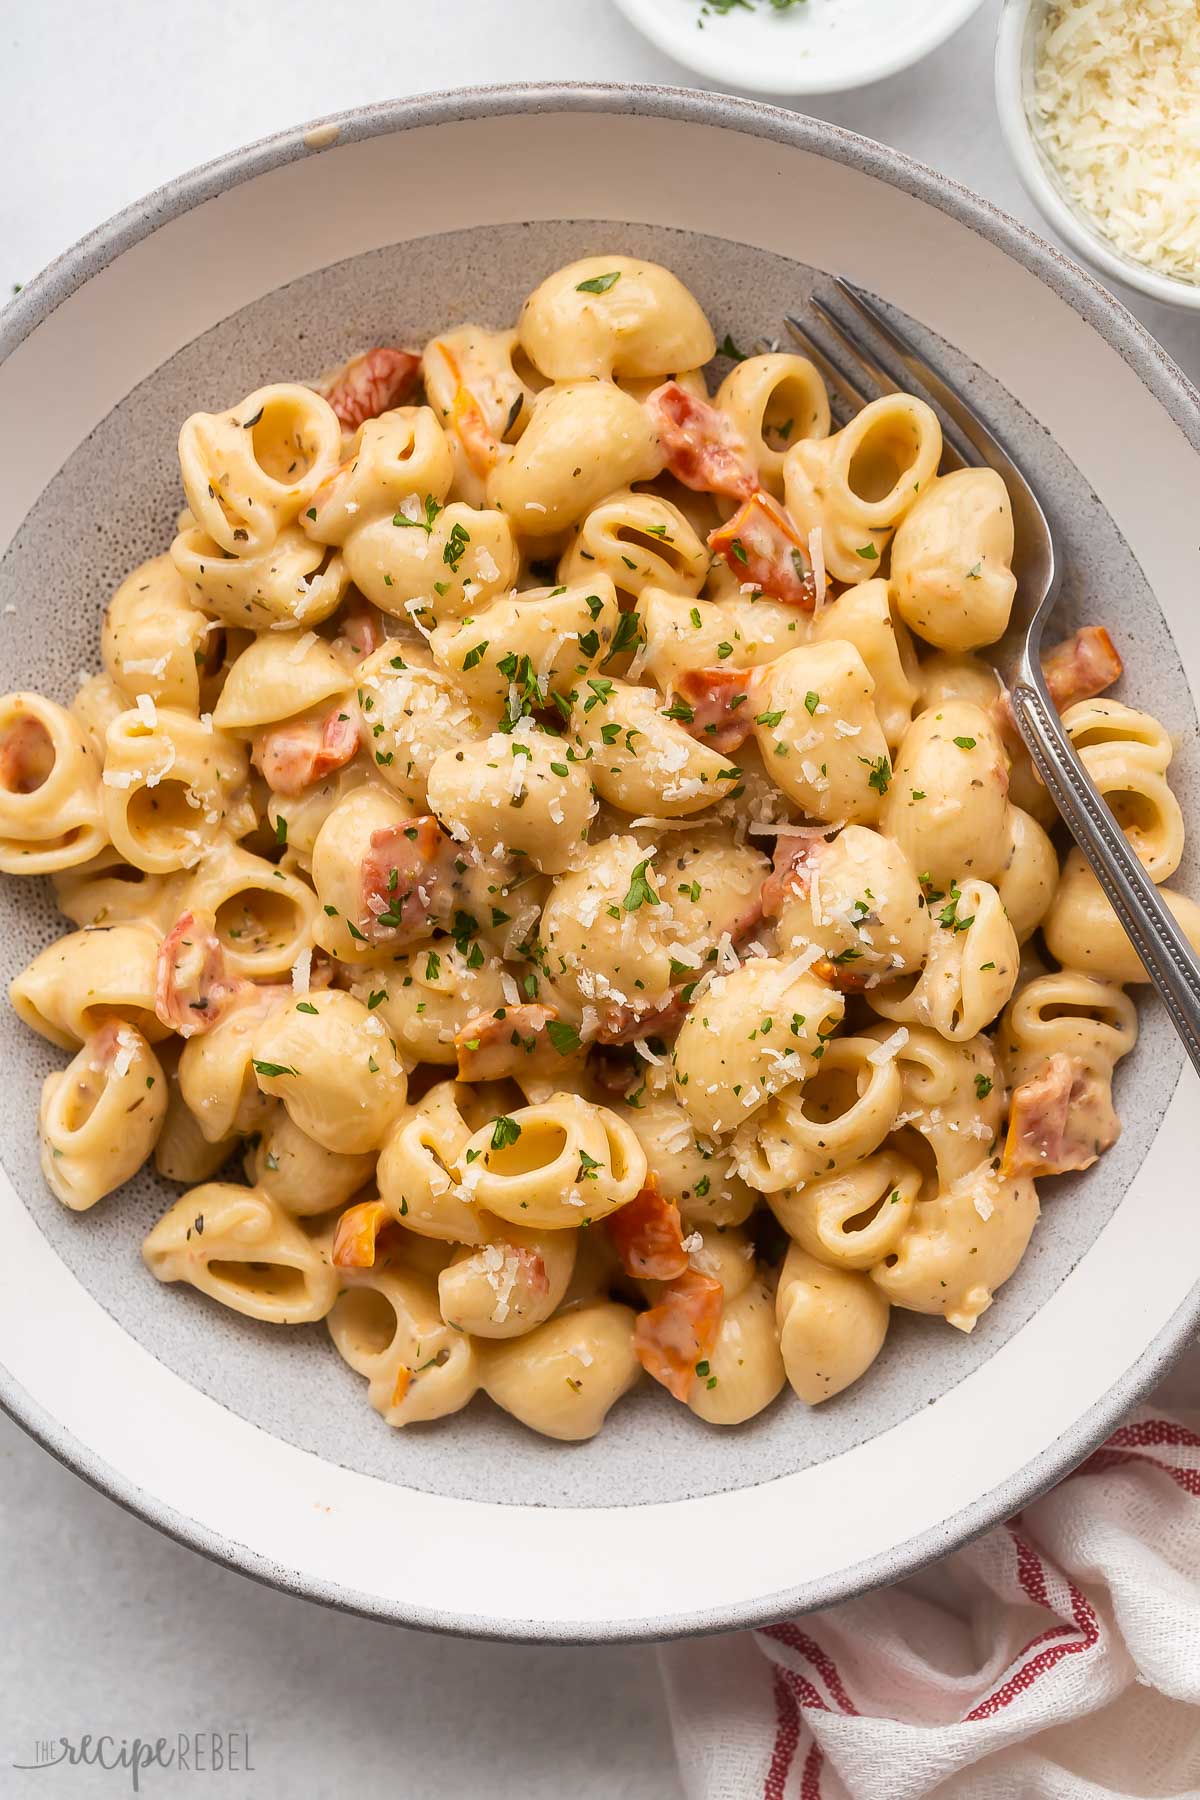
1165	952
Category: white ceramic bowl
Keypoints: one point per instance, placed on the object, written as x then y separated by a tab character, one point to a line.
256	1445
1014	85
817	47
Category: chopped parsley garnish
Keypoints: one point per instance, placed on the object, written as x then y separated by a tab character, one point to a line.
626	636
432	509
564	1037
505	1131
640	892
948	917
599	284
881	773
456	545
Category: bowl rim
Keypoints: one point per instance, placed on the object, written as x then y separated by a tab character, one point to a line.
746	71
1145	357
1042	187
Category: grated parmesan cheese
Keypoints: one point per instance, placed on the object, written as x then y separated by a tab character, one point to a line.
127	1048
890	1047
799	965
1116	108
816	556
301	647
168	763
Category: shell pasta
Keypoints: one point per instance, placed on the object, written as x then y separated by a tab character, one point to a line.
554	882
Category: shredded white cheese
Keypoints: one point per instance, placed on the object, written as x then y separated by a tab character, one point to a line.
168	763
301	647
127	1049
799	965
890	1047
1116	107
816	556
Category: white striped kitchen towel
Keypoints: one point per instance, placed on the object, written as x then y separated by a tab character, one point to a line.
1055	1658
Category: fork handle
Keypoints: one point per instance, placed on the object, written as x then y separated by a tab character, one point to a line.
1165	952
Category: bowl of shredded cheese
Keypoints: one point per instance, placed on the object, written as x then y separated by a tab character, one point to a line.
1099	101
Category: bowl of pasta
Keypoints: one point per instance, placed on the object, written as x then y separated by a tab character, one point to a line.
546	997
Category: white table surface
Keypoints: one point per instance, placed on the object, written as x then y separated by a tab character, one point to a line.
105	1625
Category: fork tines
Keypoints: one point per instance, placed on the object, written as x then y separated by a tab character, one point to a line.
852	398
865	363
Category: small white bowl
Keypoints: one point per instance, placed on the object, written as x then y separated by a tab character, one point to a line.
819	47
1014	87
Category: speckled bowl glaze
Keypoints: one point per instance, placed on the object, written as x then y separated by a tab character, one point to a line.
256	1445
